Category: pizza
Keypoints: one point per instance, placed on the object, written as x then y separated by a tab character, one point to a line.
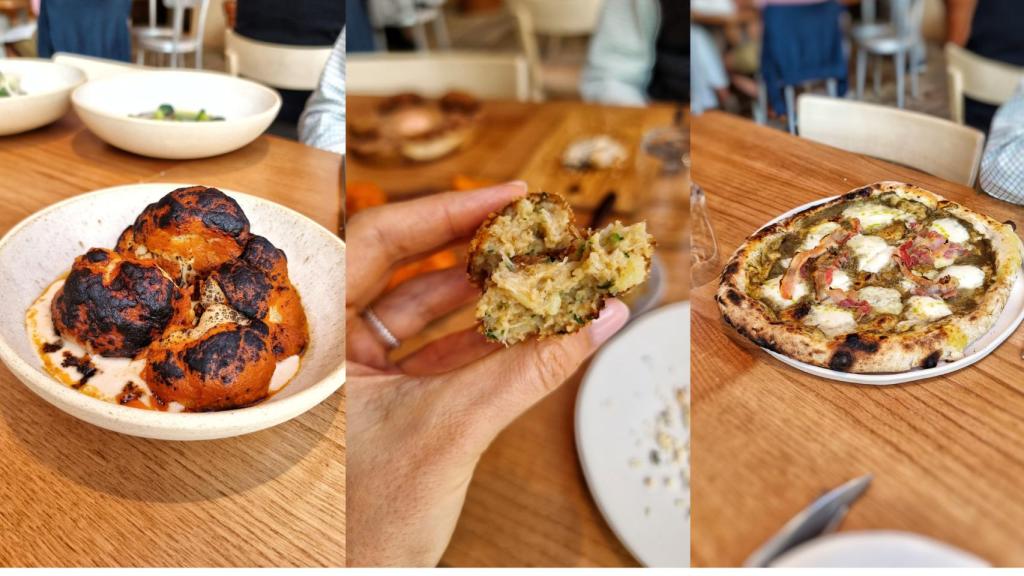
885	278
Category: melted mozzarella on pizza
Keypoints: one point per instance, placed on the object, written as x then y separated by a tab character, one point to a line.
840	280
873	216
953	230
882	300
926	308
816	233
771	291
873	253
831	320
967	277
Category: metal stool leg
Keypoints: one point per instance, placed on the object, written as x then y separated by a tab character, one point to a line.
791	108
914	84
761	111
862	71
441	32
419	37
901	68
876	63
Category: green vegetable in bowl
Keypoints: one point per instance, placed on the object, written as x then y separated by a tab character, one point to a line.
167	112
10	86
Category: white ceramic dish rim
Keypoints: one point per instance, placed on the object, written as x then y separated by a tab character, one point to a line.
577	415
75	99
42	94
891	378
264	411
844	543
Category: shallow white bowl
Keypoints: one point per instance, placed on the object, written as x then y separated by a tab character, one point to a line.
48	87
42	247
106	107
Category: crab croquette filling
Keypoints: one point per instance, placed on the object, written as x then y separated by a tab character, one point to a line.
548	278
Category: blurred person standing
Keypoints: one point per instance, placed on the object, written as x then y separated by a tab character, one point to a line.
322	124
98	28
295	23
640	52
996	33
1002	166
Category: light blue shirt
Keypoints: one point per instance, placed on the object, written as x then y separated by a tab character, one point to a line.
322	123
1002	166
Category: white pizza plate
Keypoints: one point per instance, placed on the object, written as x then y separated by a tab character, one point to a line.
627	385
877	549
1004	326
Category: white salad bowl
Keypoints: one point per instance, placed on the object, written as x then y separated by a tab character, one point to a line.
42	247
109	106
47	88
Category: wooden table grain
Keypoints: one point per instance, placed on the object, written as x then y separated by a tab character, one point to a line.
767	439
528	504
72	494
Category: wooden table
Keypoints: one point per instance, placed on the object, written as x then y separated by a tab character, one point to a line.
72	494
528	504
767	439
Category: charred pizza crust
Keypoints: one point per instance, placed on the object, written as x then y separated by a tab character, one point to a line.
871	348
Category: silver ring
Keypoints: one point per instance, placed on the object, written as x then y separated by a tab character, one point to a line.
382	331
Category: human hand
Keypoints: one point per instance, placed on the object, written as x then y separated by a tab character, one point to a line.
418	427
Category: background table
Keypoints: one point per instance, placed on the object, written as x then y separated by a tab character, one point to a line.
72	494
528	504
947	453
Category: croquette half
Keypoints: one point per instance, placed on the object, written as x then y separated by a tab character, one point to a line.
542	276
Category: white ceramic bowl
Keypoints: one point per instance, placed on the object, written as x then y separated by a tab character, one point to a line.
106	107
42	247
47	86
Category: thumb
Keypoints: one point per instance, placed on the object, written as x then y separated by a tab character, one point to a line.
495	390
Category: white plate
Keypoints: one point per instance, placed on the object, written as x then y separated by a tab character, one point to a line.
42	247
106	106
877	549
627	385
47	95
1004	326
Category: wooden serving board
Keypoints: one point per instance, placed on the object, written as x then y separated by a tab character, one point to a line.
585	189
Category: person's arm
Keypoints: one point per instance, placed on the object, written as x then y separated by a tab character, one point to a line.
621	53
1002	166
959	14
322	123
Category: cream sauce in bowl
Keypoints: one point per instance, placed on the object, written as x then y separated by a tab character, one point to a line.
114	380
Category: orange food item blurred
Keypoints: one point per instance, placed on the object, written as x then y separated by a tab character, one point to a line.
363	195
437	261
463	183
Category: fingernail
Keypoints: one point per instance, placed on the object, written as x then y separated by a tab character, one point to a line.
519	184
613	317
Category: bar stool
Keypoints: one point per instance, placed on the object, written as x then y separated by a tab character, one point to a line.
173	41
899	41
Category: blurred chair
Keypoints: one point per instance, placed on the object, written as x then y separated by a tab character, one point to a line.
173	41
411	14
802	44
278	65
554	21
96	68
504	77
902	41
933	145
974	76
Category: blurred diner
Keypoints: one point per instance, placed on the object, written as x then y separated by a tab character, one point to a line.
895	65
296	47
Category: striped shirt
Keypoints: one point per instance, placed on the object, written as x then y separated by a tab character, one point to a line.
1002	166
322	123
